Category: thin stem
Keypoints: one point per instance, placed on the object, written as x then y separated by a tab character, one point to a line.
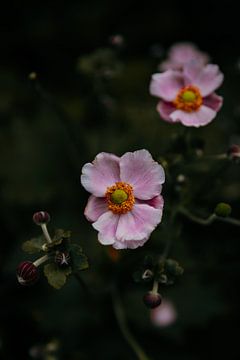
46	233
41	260
122	323
209	220
230	220
197	219
168	243
155	287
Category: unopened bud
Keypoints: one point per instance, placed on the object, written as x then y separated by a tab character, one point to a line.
223	210
234	152
152	299
27	273
173	267
41	217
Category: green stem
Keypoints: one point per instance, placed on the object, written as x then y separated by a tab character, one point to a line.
209	220
122	323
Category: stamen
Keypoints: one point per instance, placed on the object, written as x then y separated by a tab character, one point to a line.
188	99
120	198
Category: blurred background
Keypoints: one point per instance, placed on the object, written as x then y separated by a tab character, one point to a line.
69	88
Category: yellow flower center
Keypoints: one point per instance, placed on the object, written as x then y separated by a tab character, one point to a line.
120	198
188	99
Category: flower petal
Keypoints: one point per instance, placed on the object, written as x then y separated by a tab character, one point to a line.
213	101
103	172
207	78
197	118
145	175
157	202
165	109
119	245
95	208
166	85
107	225
137	225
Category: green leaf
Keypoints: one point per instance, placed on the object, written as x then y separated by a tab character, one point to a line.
34	245
56	276
59	236
78	258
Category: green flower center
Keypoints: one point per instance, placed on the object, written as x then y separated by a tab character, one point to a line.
119	196
189	96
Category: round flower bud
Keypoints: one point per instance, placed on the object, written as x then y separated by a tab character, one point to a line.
27	273
223	210
234	152
62	259
41	217
152	299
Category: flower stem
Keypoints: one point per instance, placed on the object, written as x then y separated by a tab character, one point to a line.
122	323
155	286
197	219
209	220
46	233
41	260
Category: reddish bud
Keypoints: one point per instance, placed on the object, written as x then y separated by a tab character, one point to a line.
234	152
27	273
41	217
152	299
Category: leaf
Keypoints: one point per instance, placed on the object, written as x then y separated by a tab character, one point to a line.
56	276
79	259
34	245
59	236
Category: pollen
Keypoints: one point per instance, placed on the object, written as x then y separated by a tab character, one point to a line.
188	99
120	198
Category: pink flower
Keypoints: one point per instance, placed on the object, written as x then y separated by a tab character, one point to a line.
125	205
164	315
188	96
182	53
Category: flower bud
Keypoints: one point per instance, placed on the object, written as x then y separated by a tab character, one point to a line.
27	273
152	299
62	259
41	217
223	210
234	152
173	267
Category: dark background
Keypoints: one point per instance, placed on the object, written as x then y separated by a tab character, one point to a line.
49	131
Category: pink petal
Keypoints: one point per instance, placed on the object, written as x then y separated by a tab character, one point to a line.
165	109
119	245
157	202
107	225
207	78
182	53
145	175
95	208
166	85
191	72
185	52
197	118
103	172
137	225
213	101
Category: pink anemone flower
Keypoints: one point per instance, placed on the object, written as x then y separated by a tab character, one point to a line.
125	205
182	53
188	96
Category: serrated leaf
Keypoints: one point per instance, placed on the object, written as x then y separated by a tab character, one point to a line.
56	276
34	245
78	258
